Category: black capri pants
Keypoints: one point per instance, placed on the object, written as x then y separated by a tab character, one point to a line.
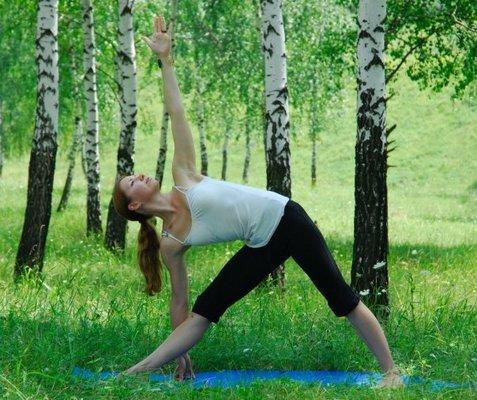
297	236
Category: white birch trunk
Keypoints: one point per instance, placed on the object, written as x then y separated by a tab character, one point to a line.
127	73
201	126
314	126
84	164
93	207
76	142
44	146
371	80
277	146
126	61
225	147
72	163
369	269
248	147
161	159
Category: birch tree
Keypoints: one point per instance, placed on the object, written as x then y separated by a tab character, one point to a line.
93	206
277	146
323	105
313	133
248	144
161	158
200	112
126	60
318	45
76	141
225	145
197	52
369	273
41	169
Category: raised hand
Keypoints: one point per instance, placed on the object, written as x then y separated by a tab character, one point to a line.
160	42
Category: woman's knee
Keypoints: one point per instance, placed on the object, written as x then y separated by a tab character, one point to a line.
206	307
345	303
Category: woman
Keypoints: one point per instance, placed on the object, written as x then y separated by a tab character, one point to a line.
201	210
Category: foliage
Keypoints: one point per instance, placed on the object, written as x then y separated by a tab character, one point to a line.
18	74
436	40
220	42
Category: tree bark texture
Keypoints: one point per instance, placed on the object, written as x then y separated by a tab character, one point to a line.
277	146
314	126
201	124
126	59
76	142
84	164
93	205
161	158
276	98
248	149
313	160
225	147
41	169
369	275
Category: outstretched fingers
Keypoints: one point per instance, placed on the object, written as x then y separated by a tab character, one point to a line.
147	40
157	25
162	23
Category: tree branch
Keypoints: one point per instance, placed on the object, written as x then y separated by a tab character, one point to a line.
106	39
460	23
419	43
109	80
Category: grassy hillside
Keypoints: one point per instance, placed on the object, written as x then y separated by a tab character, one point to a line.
90	310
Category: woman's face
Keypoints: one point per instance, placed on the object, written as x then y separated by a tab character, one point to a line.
139	188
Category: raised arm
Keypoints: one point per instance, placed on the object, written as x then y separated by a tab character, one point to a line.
183	163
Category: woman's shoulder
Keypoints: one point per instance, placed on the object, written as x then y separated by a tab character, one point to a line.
169	247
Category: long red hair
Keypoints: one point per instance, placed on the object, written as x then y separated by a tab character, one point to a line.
148	240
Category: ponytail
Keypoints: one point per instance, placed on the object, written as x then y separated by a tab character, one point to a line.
148	257
148	241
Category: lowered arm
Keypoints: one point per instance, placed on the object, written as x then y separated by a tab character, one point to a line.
188	329
175	263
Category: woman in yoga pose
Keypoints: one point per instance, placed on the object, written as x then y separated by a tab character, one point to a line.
201	210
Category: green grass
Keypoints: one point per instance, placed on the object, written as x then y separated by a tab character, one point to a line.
90	310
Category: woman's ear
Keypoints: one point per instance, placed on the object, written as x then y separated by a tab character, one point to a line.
133	206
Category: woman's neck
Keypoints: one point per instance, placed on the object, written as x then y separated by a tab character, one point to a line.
164	206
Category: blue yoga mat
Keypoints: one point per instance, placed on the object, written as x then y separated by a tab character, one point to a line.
227	379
